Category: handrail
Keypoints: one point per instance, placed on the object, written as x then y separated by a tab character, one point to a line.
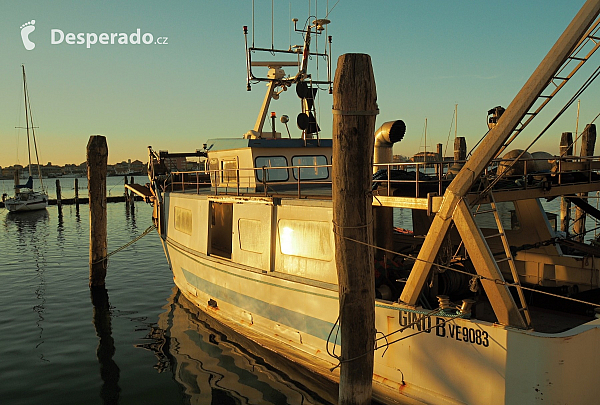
425	177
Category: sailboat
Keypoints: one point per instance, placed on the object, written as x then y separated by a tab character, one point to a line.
26	198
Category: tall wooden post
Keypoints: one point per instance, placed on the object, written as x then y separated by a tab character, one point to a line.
439	168
58	194
566	149
132	195
588	141
76	186
97	157
460	148
16	177
126	192
354	109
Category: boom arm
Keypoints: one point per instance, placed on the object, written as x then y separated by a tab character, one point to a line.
492	143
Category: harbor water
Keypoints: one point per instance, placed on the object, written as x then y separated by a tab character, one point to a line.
142	343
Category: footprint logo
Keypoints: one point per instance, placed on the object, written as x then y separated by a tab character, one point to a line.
27	29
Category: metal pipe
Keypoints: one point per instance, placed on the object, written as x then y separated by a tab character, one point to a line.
385	138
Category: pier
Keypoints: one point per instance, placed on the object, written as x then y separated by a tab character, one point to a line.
77	199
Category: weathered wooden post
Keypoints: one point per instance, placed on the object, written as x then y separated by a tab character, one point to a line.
16	176
460	148
566	149
439	168
354	110
58	194
588	141
132	195
126	192
76	186
97	157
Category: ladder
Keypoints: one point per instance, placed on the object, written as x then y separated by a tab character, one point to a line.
508	257
582	52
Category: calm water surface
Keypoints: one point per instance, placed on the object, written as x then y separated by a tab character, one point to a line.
141	344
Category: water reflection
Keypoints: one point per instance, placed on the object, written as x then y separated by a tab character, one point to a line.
60	228
215	365
109	371
130	217
32	232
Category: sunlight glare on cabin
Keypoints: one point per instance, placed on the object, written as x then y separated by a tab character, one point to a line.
286	240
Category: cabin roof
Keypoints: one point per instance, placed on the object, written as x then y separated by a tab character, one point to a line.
235	143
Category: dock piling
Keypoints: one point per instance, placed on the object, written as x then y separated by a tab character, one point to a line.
588	142
76	187
97	158
126	192
58	194
354	107
460	149
566	149
131	195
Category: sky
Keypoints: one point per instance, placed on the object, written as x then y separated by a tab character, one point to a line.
428	57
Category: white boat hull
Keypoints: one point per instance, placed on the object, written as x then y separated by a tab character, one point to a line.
35	202
456	361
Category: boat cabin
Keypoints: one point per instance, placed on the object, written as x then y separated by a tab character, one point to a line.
254	165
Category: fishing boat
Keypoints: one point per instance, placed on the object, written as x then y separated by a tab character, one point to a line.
26	198
483	300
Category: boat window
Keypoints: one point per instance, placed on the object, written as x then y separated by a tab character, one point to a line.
309	239
183	220
271	174
213	166
310	173
251	234
229	171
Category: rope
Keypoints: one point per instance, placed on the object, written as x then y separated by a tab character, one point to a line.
125	246
480	277
429	314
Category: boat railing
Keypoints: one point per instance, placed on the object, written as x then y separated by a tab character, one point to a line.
409	179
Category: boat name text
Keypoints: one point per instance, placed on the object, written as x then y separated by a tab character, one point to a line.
442	328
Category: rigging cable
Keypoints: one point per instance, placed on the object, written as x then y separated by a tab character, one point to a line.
583	87
480	277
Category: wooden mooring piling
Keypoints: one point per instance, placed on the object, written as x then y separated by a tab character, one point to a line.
97	158
354	108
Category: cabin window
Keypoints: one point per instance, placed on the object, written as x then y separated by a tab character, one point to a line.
251	235
183	220
271	174
229	171
310	173
213	166
308	239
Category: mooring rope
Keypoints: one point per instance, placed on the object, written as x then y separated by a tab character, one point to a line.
131	242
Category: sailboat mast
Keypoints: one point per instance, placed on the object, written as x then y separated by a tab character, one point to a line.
455	121
26	117
30	125
425	147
